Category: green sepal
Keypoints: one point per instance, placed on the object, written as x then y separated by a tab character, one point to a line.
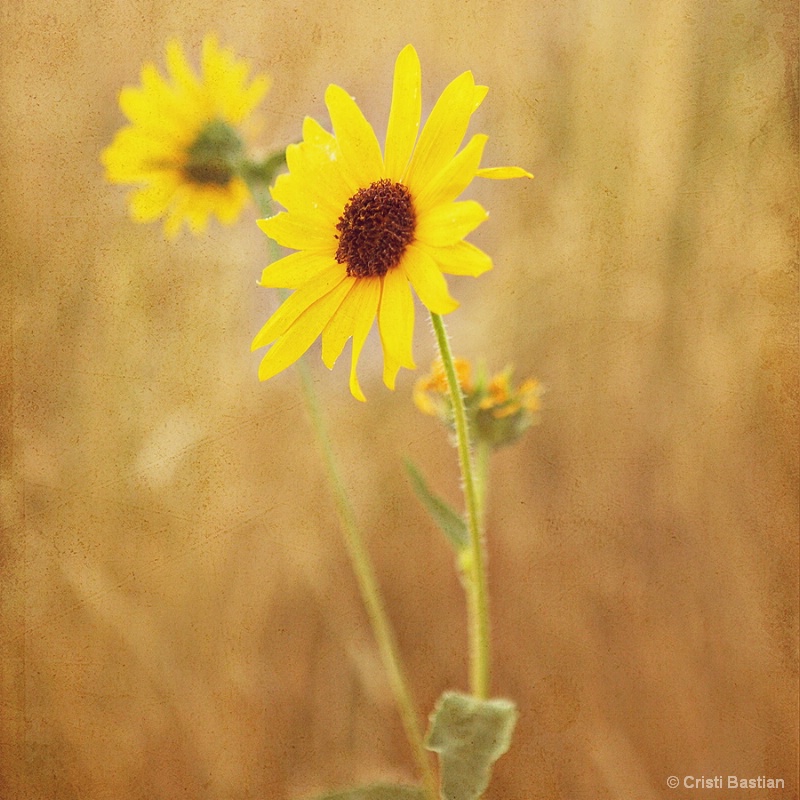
445	516
469	735
377	791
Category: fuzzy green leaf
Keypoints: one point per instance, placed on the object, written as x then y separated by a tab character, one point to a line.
377	791
450	521
469	735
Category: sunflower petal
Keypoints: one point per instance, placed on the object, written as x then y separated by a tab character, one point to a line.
369	295
172	224
454	178
225	78
229	201
427	280
294	270
137	156
301	335
150	202
404	115
139	108
213	61
251	96
461	258
314	133
396	318
197	216
339	329
390	370
179	69
355	136
345	321
293	195
503	173
317	172
447	224
289	311
443	132
298	232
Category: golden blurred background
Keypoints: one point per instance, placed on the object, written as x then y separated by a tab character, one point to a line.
178	614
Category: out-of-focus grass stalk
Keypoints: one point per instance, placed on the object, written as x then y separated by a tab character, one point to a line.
473	486
370	592
362	564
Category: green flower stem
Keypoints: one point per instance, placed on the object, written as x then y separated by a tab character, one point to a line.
370	592
363	569
475	565
259	176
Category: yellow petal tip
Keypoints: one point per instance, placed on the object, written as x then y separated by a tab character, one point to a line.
355	390
503	173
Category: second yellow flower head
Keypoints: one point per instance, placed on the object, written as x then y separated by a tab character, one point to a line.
182	147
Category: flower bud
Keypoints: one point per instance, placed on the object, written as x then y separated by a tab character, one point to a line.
498	412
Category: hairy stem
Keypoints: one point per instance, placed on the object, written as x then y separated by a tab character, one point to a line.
475	566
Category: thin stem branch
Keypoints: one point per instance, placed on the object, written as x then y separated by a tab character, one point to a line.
475	565
364	571
370	591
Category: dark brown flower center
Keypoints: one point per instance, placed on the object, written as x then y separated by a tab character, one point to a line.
375	228
210	172
214	155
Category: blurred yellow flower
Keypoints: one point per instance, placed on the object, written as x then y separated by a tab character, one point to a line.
368	226
183	145
498	412
431	393
503	400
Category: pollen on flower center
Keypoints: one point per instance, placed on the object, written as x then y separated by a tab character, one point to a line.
375	228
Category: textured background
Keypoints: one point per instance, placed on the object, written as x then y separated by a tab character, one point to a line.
178	615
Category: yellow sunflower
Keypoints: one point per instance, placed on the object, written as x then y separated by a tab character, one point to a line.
183	145
369	226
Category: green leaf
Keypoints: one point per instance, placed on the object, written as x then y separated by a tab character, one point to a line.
450	521
469	735
377	791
